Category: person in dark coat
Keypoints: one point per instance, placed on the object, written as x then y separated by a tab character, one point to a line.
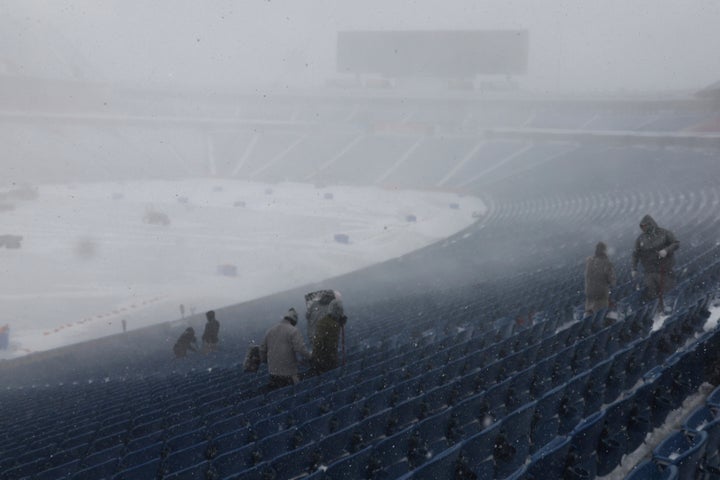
318	304
326	338
210	334
280	348
187	341
599	279
655	250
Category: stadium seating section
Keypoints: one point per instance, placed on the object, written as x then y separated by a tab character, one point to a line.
467	359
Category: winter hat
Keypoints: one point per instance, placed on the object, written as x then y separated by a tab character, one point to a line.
292	316
600	249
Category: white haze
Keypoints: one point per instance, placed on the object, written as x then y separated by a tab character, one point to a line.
88	260
575	45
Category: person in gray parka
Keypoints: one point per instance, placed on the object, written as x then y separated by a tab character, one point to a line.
655	250
599	279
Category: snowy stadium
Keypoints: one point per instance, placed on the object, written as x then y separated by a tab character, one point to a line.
466	355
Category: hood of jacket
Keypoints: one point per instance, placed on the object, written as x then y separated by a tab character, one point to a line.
649	222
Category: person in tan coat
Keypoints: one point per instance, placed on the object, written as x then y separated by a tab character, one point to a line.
599	279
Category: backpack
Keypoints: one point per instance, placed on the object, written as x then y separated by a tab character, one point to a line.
252	359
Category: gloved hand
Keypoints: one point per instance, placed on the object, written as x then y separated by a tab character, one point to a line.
662	253
633	274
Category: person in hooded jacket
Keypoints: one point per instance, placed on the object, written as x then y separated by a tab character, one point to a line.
599	279
187	341
280	348
326	338
210	334
655	250
318	304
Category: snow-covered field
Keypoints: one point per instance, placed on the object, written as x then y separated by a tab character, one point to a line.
89	258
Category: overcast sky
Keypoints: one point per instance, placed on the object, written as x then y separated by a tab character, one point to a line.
574	44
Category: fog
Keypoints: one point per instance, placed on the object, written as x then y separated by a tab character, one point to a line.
448	166
104	93
79	277
643	45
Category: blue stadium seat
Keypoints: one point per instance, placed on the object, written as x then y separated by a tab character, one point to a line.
650	470
406	413
179	425
615	380
482	377
572	404
231	441
441	397
550	461
542	377
217	412
317	428
473	382
376	402
584	443
653	354
197	471
688	369
390	456
329	449
614	439
595	387
145	441
60	472
514	363
186	440
476	453
234	461
445	466
518	393
432	433
27	469
683	451
546	420
713	400
117	439
354	465
639	418
228	424
655	392
151	469
343	397
106	469
580	359
493	403
269	426
562	368
375	426
292	464
102	456
345	416
61	456
32	454
706	419
149	426
512	443
453	368
142	455
187	457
